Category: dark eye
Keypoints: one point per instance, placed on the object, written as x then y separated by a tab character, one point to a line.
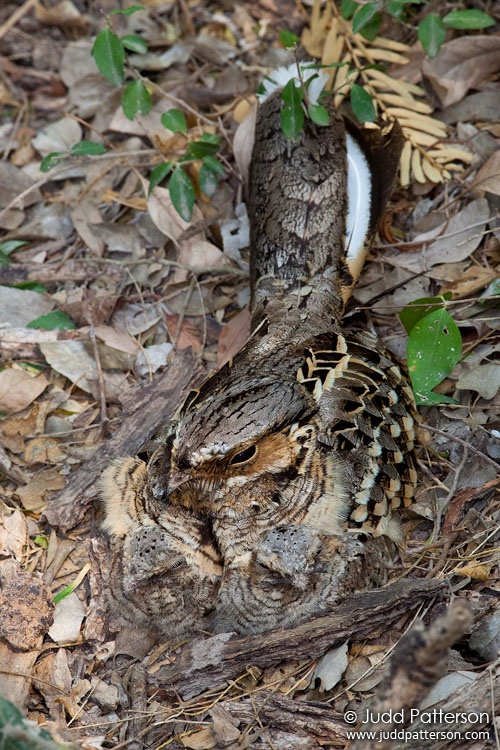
243	456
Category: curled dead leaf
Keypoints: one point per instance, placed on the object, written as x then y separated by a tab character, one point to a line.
461	65
18	389
476	572
488	177
233	336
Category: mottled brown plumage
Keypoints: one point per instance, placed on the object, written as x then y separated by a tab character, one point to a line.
164	569
307	434
293	573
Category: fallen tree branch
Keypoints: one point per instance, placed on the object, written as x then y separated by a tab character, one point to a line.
419	660
212	663
150	406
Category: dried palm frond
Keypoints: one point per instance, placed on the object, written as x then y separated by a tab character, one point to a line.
427	155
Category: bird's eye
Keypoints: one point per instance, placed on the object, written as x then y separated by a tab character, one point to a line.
244	456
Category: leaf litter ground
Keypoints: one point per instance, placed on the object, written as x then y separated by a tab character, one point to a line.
154	302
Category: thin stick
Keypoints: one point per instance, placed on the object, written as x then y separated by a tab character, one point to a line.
15	17
463	443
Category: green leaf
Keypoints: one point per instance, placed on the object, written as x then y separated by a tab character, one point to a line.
468	19
88	148
126	11
209	175
434	348
212	163
57	319
174	120
9	714
212	138
419	308
492	290
158	174
10	246
431	34
134	43
200	149
292	115
52	160
207	180
364	16
288	38
42	541
135	98
19	733
371	29
362	104
181	192
396	8
33	286
292	122
109	55
66	591
348	8
318	114
292	95
4	260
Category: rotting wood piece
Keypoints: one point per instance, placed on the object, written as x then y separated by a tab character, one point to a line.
212	663
150	406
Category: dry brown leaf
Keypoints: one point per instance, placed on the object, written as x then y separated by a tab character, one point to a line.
13	182
87	219
72	360
452	241
243	144
168	221
13	535
361	674
117	339
475	571
488	177
64	15
232	337
18	389
57	136
201	254
54	675
331	667
33	494
461	65
20	306
151	358
225	726
483	378
43	450
68	618
185	336
201	740
471	281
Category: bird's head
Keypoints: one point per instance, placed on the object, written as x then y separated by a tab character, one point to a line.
222	442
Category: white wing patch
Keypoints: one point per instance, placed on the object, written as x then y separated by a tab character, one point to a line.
359	196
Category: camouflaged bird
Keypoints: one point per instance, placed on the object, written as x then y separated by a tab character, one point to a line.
312	422
293	573
165	570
